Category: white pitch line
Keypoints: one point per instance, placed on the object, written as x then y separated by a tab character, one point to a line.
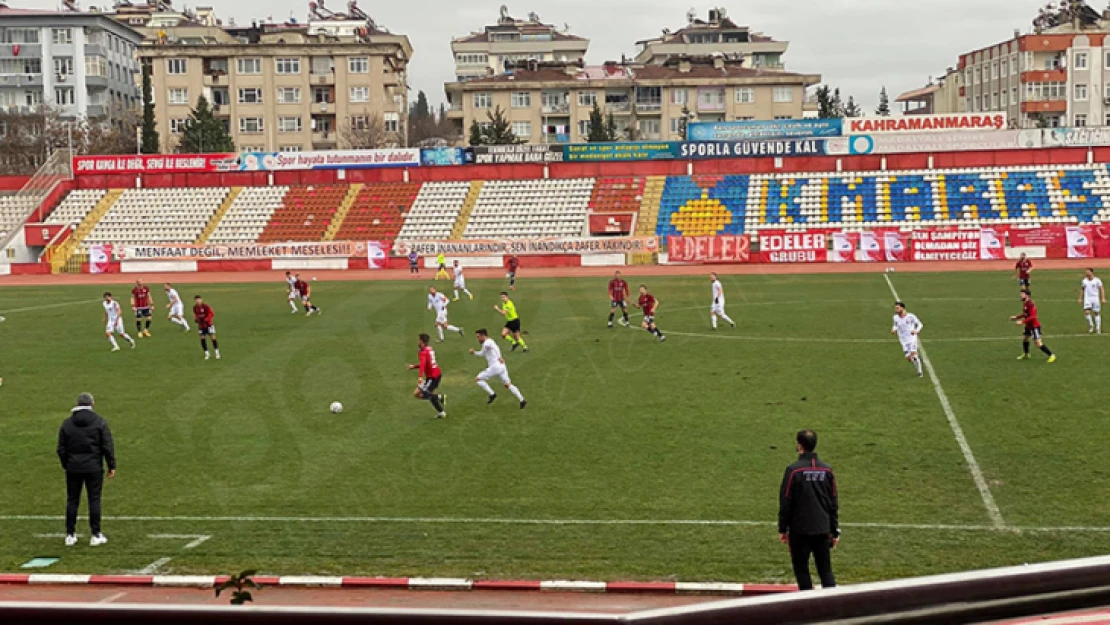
153	567
972	464
112	598
48	306
724	335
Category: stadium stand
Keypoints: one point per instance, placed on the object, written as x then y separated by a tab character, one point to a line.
305	213
378	212
157	216
531	208
248	215
618	195
13	211
72	210
703	205
434	213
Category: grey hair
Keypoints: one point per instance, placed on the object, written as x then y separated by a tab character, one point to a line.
85	399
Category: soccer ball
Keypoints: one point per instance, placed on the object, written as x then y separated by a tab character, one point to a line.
314	278
336	407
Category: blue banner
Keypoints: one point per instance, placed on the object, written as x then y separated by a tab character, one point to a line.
610	152
446	156
752	149
761	130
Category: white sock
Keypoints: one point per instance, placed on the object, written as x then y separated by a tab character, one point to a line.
1098	322
714	319
468	293
293	305
126	336
917	363
728	319
112	340
1090	322
185	323
485	387
452	329
439	331
456	294
516	392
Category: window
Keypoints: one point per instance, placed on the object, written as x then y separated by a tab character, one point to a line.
650	128
248	66
967	76
471	59
290	148
482	100
175	66
978	104
522	130
287	66
746	95
1013	65
994	101
784	117
1080	120
61	35
179	96
1005	68
63	96
321	65
584	127
358	65
522	100
978	75
1014	96
250	95
289	95
63	65
676	126
784	94
177	126
19	35
95	66
359	123
360	94
250	125
392	122
587	98
252	148
1107	120
1081	92
680	96
221	97
289	124
1004	102
322	95
1081	60
33	98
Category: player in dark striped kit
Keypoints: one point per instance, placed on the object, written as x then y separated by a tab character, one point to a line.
618	298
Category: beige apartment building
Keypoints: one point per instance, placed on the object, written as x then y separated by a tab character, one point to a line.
718	34
511	41
335	82
551	102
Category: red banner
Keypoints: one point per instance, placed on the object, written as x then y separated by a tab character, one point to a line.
155	164
721	249
40	235
946	244
844	247
1055	237
780	246
1079	242
611	223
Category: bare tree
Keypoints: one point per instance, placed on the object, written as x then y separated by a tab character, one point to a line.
30	137
366	133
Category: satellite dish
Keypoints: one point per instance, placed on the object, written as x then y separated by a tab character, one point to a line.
504	12
691	15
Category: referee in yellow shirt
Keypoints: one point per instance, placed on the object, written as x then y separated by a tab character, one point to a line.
511	331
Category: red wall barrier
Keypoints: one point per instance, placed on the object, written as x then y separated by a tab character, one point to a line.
13	183
207	266
30	269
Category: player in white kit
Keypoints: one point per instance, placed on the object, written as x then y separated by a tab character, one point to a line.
460	281
113	322
291	284
176	307
907	326
439	302
717	308
1092	295
495	368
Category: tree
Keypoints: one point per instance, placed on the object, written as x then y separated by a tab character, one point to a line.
851	109
596	130
684	122
420	109
29	138
611	127
884	104
366	133
477	137
837	103
203	133
826	109
500	129
150	131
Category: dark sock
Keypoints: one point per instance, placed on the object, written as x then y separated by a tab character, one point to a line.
436	403
1025	346
204	345
1046	350
139	326
215	344
148	324
611	315
626	316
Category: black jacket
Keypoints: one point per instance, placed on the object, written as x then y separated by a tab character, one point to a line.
807	498
85	443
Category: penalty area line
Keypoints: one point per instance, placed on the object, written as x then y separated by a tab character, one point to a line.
972	464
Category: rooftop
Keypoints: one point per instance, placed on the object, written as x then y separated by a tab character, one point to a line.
676	68
718	22
530	26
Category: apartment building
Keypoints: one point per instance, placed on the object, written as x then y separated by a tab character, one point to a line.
551	102
718	34
82	64
511	41
335	81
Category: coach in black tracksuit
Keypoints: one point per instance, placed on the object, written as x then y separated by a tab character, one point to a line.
85	445
808	513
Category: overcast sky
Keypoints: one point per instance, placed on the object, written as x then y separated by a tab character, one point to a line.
857	45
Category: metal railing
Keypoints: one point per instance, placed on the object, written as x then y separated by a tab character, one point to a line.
57	168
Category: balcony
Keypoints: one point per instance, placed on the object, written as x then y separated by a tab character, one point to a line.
221	110
1045	75
649	107
1045	106
322	79
618	107
215	78
556	108
325	138
704	105
323	107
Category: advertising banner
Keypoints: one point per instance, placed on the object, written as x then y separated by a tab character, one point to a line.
40	235
1079	242
991	246
946	244
333	159
844	247
434	157
520	247
934	142
1054	237
924	123
377	254
779	246
241	251
155	164
896	246
612	152
611	223
746	149
517	154
762	130
871	247
1076	137
100	256
709	249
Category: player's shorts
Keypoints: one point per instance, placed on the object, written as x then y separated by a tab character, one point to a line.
513	326
429	386
1034	333
442	267
177	310
649	319
305	297
441	317
142	312
460	283
114	326
294	294
717	309
1023	282
494	372
511	275
909	347
618	303
206	330
1093	305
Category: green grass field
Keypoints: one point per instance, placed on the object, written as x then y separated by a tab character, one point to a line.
621	431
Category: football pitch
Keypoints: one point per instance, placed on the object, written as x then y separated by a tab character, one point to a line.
633	459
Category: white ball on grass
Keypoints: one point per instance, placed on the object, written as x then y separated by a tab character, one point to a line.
336	407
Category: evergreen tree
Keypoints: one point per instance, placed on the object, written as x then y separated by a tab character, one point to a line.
837	103
150	131
421	110
477	137
851	109
684	122
884	104
203	133
611	128
826	108
500	129
596	132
